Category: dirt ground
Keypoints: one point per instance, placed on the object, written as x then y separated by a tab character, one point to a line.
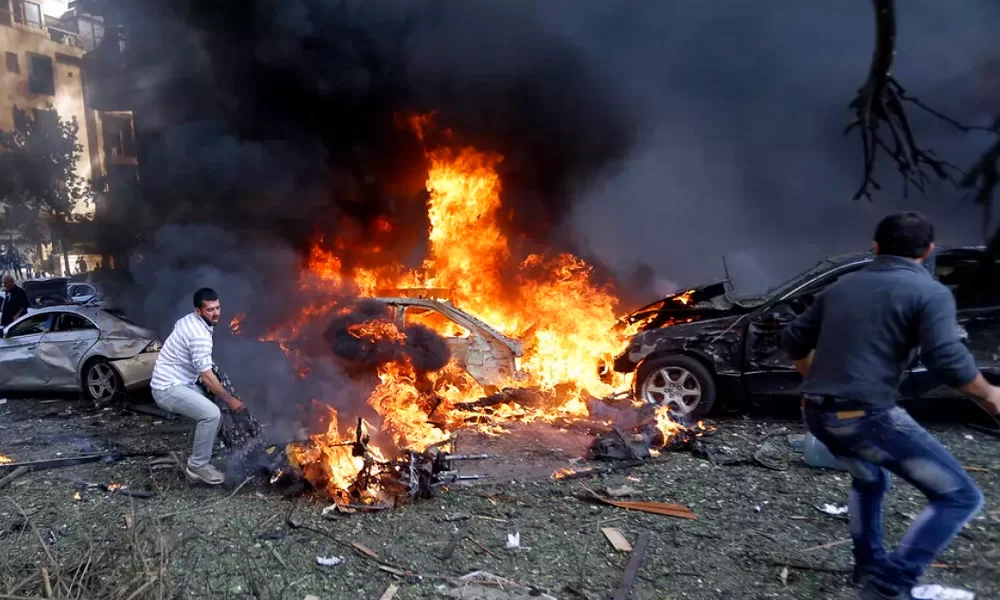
753	526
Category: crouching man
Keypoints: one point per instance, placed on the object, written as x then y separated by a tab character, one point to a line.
183	362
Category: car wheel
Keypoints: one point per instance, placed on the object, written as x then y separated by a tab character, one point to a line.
101	383
680	382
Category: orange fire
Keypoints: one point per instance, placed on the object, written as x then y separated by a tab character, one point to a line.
685	297
549	303
4	460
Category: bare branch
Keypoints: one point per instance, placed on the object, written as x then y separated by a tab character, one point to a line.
881	104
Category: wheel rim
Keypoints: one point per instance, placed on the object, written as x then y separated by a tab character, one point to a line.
101	382
675	387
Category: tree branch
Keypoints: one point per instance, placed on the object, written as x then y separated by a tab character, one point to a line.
881	105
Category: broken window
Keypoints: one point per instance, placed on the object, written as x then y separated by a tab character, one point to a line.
972	281
30	326
119	137
417	315
12	64
71	322
41	79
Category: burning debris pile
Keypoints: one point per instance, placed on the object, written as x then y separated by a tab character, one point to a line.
499	336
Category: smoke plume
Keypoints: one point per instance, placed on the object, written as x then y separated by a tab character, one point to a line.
651	138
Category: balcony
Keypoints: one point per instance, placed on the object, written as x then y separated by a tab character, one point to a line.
27	16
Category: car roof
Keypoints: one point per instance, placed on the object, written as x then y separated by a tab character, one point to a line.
510	342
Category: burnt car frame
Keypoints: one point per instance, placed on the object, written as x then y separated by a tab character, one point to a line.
705	345
489	356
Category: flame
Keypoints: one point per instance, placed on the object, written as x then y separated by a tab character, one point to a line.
685	297
77	497
5	460
550	303
234	324
562	473
114	487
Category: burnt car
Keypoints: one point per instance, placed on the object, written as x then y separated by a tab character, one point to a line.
707	344
487	355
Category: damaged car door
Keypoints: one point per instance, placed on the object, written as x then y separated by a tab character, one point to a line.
64	346
20	368
767	367
973	282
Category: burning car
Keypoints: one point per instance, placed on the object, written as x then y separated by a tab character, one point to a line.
691	349
490	357
76	348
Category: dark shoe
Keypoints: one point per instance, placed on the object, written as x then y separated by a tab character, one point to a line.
874	590
206	474
862	575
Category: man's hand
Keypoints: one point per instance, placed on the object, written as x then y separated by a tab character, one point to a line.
215	386
992	400
234	404
981	389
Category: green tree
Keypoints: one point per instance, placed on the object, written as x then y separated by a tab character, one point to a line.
39	184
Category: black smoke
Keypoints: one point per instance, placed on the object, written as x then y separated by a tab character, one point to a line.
654	136
422	347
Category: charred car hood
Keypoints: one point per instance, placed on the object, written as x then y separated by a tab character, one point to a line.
693	305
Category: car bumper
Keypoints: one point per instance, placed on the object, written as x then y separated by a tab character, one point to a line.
136	371
623	363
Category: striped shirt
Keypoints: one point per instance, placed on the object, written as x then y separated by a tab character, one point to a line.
185	355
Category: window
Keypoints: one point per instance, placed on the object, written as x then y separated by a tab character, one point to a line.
30	326
82	289
71	322
119	137
435	321
28	13
972	283
12	64
41	79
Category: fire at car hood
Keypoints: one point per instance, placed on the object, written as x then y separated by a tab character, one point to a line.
709	301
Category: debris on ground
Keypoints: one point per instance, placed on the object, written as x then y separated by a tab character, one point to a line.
617	539
222	546
833	509
480	585
513	541
329	561
658	508
635	559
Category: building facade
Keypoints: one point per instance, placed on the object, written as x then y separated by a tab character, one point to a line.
43	45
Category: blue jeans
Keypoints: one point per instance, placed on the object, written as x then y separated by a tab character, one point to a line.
873	442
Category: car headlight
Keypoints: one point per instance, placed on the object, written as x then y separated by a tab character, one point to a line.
153	346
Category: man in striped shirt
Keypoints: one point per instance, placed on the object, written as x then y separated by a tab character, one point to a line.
185	359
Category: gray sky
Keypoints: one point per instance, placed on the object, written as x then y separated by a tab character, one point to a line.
744	105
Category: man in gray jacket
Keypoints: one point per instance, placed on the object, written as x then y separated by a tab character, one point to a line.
852	346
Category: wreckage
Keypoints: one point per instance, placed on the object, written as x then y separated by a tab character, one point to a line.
707	343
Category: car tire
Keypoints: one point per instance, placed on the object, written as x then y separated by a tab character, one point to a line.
101	382
680	381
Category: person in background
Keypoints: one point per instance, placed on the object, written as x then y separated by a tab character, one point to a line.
15	302
852	347
183	361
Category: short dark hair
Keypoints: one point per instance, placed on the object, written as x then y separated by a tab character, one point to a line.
204	295
906	234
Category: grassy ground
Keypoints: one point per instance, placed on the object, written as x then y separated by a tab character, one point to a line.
754	524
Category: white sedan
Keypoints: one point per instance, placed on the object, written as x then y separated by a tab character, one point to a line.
76	348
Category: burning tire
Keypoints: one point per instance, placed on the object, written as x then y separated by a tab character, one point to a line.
680	382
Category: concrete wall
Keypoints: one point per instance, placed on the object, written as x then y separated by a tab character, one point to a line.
68	100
